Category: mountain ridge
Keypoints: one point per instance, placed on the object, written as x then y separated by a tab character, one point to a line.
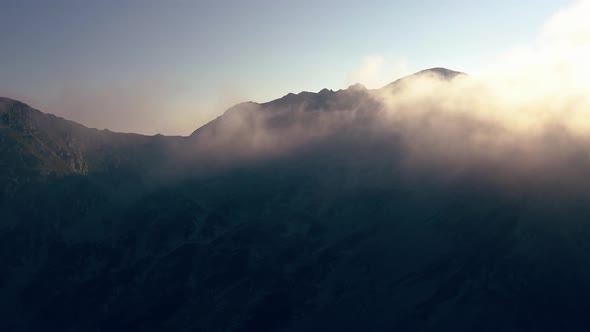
48	144
288	98
317	100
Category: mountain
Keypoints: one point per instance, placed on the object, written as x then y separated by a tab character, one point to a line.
306	213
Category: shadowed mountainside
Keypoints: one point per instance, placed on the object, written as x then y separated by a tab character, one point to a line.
300	214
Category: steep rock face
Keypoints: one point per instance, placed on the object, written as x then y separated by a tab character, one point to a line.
34	145
26	151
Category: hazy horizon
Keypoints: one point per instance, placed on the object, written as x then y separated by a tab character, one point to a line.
169	68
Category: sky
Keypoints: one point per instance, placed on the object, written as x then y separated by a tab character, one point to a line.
171	66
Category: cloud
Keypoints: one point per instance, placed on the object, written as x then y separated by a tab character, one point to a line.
522	123
376	71
555	63
523	119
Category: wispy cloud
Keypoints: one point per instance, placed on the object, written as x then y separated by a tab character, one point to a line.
376	71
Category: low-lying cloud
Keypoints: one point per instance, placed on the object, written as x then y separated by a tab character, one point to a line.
522	122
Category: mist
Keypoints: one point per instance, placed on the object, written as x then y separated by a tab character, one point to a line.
519	125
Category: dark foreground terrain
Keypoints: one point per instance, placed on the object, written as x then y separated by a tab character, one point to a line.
296	215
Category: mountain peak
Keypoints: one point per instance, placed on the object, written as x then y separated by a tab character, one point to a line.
440	71
357	87
7	104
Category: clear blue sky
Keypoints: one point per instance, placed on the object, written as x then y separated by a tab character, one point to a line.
169	66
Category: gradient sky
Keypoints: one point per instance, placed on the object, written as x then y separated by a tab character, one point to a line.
170	66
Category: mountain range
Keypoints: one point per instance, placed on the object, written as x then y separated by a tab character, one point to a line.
300	214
